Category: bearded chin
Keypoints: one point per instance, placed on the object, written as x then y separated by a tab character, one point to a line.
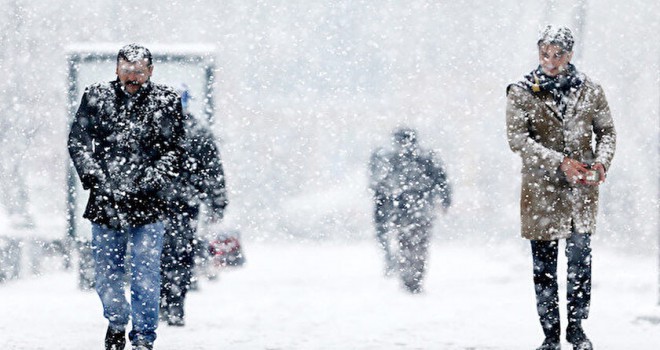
129	84
133	83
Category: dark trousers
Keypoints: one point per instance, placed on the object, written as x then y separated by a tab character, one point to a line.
178	259
413	250
383	227
578	293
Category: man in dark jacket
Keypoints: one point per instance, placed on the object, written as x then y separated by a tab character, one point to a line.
201	181
125	145
407	182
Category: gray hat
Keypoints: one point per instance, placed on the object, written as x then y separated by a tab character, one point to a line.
556	35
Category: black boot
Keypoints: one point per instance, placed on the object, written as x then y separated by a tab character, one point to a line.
175	314
550	344
163	309
552	332
115	340
575	335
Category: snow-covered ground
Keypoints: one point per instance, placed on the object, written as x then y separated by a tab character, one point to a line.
334	296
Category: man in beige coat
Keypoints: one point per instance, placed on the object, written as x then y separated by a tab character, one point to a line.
552	116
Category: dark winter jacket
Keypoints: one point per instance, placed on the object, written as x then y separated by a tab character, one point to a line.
201	177
126	149
409	181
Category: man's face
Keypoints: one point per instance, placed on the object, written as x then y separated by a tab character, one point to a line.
133	75
553	59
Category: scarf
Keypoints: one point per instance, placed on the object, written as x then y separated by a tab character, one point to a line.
559	86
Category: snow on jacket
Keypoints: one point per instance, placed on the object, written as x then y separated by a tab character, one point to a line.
201	176
549	204
409	181
125	150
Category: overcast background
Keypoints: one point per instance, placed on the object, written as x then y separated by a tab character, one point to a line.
306	89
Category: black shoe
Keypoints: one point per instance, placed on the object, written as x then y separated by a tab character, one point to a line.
575	335
163	311
115	340
143	347
550	344
176	321
175	315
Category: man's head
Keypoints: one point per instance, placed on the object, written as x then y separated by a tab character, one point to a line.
555	49
134	67
405	138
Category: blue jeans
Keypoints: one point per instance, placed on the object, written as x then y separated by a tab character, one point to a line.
110	245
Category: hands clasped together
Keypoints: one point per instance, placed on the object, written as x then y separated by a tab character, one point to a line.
578	172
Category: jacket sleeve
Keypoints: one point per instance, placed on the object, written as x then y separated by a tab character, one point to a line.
81	145
210	180
378	170
603	127
442	185
519	138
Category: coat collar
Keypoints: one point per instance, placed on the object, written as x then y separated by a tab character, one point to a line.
550	104
573	97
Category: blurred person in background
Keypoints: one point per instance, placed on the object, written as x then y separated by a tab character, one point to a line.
124	143
407	181
552	116
201	180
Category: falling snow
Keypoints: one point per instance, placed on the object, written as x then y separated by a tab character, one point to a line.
303	93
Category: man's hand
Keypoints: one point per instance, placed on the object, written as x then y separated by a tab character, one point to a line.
215	217
601	175
575	171
152	180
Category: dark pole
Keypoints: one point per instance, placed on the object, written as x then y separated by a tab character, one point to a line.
580	21
208	93
71	234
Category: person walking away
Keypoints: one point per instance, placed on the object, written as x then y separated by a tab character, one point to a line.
551	116
201	180
124	143
409	181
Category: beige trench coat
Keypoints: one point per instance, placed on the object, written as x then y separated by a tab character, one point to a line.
549	205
